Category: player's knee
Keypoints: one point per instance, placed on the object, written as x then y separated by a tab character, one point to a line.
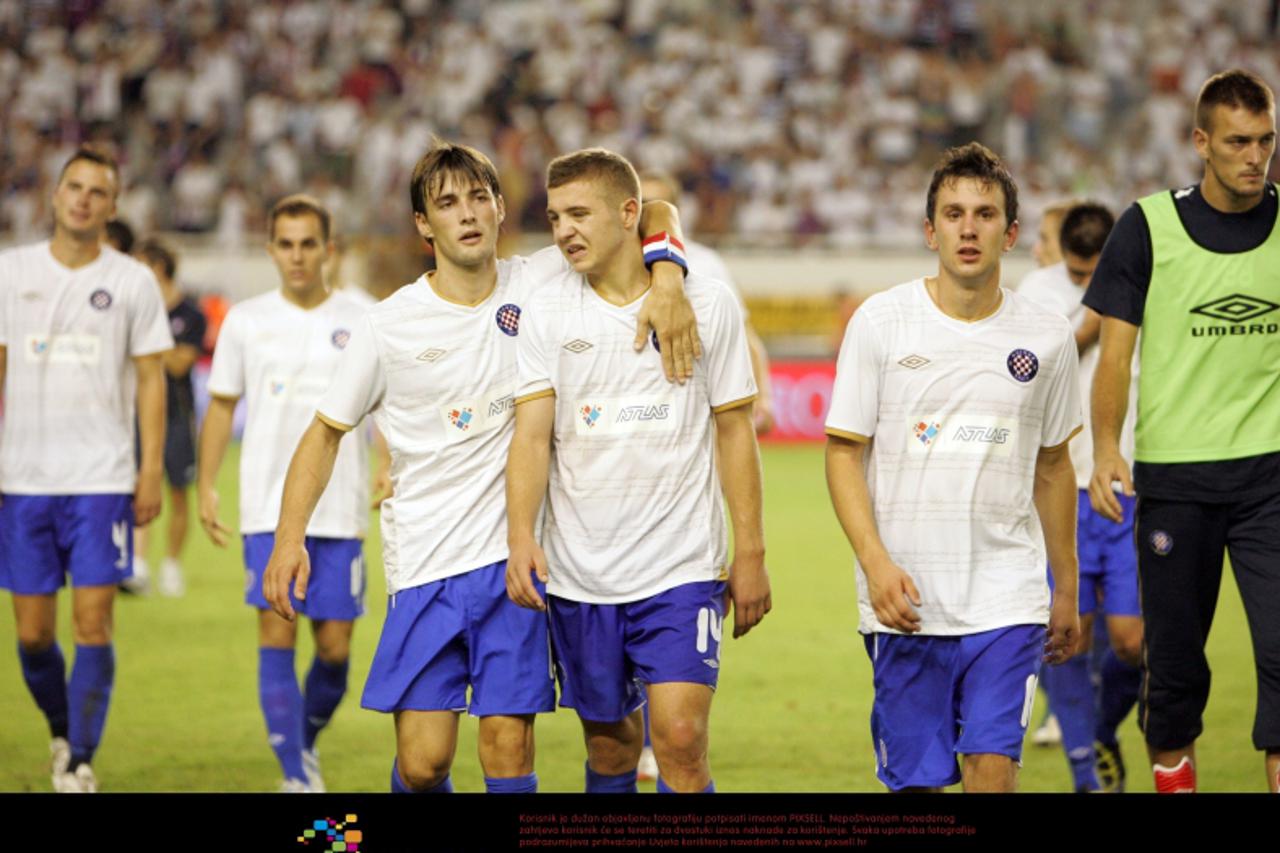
333	654
34	639
92	627
422	771
683	740
1128	647
507	743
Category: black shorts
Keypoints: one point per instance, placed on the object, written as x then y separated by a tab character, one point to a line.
1180	556
180	451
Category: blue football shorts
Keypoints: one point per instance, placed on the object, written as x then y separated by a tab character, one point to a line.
335	589
462	631
44	538
939	697
606	652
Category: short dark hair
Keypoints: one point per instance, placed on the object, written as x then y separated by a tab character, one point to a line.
1234	88
120	235
449	158
1085	229
595	164
298	204
980	163
94	154
155	251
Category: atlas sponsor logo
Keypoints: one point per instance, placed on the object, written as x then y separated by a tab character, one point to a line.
981	434
657	412
1238	310
502	404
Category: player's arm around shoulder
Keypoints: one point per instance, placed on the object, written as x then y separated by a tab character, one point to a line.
667	309
740	478
528	467
304	483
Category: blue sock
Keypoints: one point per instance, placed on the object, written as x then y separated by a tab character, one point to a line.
1070	693
46	675
513	785
664	788
623	783
326	685
1116	696
282	707
88	696
399	787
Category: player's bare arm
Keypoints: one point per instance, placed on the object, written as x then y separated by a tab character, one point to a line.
528	465
741	481
894	596
382	475
304	483
1054	494
762	409
1090	328
179	360
151	418
666	309
215	434
4	360
1110	401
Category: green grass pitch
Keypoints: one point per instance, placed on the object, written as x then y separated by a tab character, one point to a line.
791	713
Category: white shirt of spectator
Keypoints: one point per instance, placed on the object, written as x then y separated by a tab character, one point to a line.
1051	288
281	358
956	413
70	387
439	379
633	506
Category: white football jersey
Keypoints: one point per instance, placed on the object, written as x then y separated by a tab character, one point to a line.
439	379
634	505
956	414
281	358
70	388
1053	289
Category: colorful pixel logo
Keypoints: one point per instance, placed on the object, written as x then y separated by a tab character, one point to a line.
590	414
333	835
926	432
461	418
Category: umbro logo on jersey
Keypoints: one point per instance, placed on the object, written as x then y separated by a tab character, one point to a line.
577	345
339	338
100	299
913	362
508	319
431	355
32	296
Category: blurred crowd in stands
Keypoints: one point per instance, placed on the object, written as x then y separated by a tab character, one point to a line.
787	122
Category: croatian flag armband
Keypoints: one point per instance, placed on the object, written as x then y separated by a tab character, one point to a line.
663	247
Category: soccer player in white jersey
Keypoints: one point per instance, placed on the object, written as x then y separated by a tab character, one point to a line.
635	559
947	457
279	351
1091	708
435	365
87	330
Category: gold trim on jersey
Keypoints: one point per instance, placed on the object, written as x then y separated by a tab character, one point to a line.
536	395
851	436
736	404
327	421
1063	444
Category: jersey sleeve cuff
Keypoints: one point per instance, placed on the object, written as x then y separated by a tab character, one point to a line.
229	396
1066	441
733	404
328	421
849	436
536	395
